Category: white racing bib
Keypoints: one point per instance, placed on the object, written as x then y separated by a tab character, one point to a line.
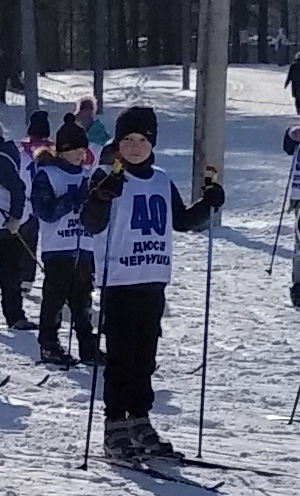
5	197
295	189
66	233
140	248
27	173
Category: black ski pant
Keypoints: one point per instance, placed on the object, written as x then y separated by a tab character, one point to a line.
297	104
67	281
30	233
132	327
10	278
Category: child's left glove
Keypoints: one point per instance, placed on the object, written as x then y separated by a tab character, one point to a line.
214	195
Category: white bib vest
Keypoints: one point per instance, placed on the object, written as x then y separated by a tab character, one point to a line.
5	194
141	233
66	233
295	189
27	173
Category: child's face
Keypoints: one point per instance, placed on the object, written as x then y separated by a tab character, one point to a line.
74	157
135	148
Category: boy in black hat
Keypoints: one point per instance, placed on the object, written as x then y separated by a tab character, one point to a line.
37	135
143	206
59	189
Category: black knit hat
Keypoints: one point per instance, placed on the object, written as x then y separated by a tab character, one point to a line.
140	120
39	125
70	136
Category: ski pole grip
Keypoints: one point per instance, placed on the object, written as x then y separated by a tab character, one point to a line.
117	167
211	175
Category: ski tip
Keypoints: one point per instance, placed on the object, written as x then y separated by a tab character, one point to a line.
5	381
43	381
282	418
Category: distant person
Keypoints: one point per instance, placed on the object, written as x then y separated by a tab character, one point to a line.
294	78
85	114
12	202
37	136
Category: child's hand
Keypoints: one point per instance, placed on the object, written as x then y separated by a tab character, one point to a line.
12	224
109	188
214	195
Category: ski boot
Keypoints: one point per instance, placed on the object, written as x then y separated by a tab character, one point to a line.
53	352
117	440
145	438
89	354
24	325
295	295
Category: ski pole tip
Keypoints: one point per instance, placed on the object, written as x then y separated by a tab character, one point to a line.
269	271
83	467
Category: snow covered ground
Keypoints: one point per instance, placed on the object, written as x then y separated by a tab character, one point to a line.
254	346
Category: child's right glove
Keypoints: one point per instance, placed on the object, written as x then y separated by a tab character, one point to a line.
110	187
214	195
12	224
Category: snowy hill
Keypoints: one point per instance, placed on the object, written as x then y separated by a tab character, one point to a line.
254	336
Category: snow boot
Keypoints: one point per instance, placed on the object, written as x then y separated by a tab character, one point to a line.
117	440
295	295
24	325
145	437
53	352
89	354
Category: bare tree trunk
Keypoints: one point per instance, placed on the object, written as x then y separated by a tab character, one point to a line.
134	26
209	133
29	58
154	51
122	35
239	31
99	52
285	25
263	27
186	43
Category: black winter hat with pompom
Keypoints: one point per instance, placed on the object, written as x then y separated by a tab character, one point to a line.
39	125
140	120
70	136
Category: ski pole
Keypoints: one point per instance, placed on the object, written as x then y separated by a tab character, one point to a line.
72	279
101	315
116	170
30	252
206	326
295	407
22	240
270	270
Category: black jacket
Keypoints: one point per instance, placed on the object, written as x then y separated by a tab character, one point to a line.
10	179
95	213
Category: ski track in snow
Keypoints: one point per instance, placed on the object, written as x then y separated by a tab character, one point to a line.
253	367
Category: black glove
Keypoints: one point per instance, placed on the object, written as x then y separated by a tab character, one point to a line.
110	187
214	195
80	194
